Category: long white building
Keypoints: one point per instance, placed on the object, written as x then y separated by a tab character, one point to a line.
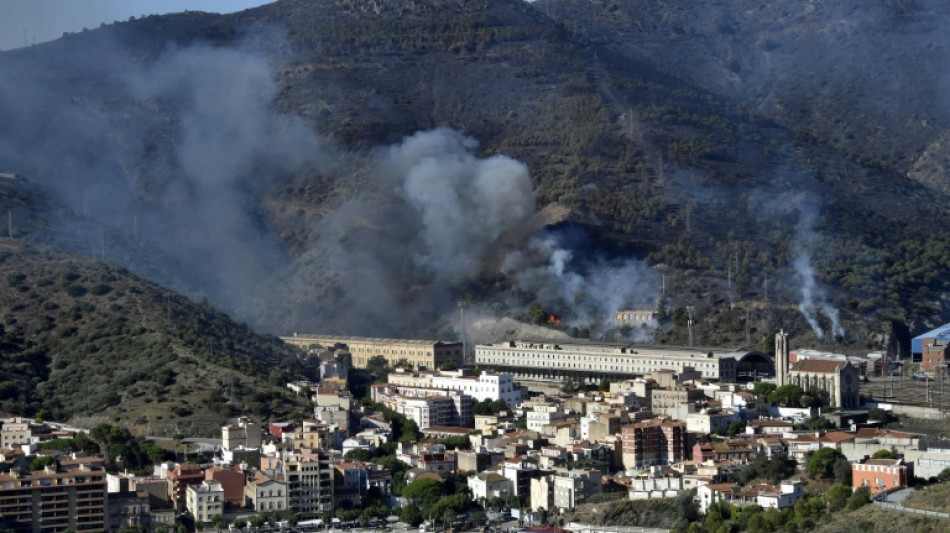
593	360
425	405
485	386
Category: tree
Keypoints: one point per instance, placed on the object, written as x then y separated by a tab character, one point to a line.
379	367
424	492
877	414
763	389
482	408
884	453
410	431
42	462
735	427
842	470
410	514
786	396
359	454
219	522
499	405
536	314
821	463
860	498
837	497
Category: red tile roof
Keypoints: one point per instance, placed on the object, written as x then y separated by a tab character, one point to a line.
818	366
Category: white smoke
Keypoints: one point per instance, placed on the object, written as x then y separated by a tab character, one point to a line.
814	298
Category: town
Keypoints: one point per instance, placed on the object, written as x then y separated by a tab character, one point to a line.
413	434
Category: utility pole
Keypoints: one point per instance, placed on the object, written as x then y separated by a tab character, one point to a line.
748	329
461	304
689	323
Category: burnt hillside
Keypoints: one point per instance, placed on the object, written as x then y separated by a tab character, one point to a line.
750	192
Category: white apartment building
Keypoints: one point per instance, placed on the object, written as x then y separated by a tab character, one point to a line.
487	486
486	386
205	501
428	407
543	414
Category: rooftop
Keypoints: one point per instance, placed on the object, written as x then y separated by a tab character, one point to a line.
818	366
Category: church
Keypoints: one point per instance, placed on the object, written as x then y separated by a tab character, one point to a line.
838	379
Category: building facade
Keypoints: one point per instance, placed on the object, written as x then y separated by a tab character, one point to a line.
55	500
241	433
266	494
426	406
485	386
205	501
594	361
881	475
653	442
420	354
838	379
309	476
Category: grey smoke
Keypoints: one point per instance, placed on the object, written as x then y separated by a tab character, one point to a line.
432	221
196	207
427	220
230	145
464	204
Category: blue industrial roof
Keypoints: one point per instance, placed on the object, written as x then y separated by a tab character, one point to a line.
941	333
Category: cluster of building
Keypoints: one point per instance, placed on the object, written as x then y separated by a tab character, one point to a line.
655	432
660	428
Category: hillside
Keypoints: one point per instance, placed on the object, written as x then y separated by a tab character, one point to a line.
86	342
749	198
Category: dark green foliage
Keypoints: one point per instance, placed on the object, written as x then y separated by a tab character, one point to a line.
860	498
359	454
842	471
821	463
837	497
735	427
773	469
42	462
489	407
118	345
884	454
456	443
786	396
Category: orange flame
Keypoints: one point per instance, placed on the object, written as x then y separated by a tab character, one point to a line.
553	319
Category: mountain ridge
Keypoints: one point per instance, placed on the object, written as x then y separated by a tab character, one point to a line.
651	162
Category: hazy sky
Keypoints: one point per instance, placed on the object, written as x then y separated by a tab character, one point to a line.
28	21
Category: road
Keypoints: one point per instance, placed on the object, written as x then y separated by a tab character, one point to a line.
895	501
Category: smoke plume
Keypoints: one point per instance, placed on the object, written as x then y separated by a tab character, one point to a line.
813	296
169	175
